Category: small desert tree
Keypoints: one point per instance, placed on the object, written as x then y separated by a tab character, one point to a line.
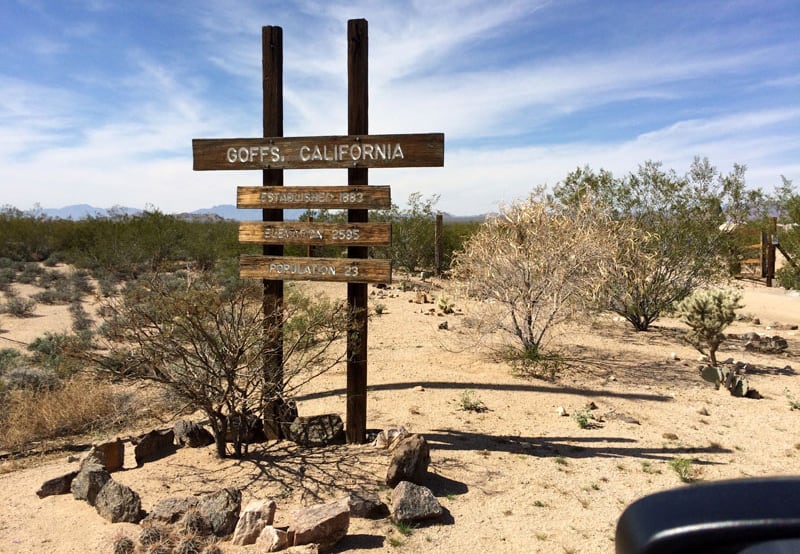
708	313
205	344
681	246
534	265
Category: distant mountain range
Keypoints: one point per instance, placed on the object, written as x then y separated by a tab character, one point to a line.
223	211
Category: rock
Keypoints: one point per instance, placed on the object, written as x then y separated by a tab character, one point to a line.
89	481
412	502
256	516
325	524
390	437
767	345
320	430
419	388
117	502
271	539
756	321
172	509
189	433
254	431
443	325
561	411
278	415
670	436
153	445
303	549
110	455
221	510
703	411
409	461
57	485
366	505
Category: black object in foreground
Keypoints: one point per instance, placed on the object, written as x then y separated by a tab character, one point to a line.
747	516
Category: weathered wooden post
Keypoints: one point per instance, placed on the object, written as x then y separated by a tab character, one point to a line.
272	87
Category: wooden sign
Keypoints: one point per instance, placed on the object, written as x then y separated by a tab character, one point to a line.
287	268
352	151
328	234
369	197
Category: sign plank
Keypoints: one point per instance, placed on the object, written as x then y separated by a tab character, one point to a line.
351	151
325	197
326	234
289	268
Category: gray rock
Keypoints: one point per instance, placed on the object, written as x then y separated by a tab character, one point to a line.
257	515
57	485
153	445
89	481
412	502
325	524
189	433
221	510
117	502
319	430
272	540
409	461
172	509
366	505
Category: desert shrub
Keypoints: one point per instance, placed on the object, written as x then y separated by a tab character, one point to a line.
788	277
9	358
80	319
52	296
7	277
413	230
30	378
680	246
30	273
708	313
206	344
534	266
58	352
79	406
18	306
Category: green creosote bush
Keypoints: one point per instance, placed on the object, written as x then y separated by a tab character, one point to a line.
708	313
9	358
469	402
583	418
794	404
380	308
683	468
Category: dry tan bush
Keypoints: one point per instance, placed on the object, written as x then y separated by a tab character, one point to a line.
534	266
81	405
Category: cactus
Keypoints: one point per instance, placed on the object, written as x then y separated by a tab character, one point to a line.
736	384
707	313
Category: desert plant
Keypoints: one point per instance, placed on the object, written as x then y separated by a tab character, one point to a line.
58	352
534	266
583	418
9	358
379	308
469	402
794	404
79	405
736	384
208	344
708	313
445	305
19	307
80	319
30	378
123	544
678	245
683	468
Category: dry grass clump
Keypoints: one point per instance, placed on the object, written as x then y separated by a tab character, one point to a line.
80	405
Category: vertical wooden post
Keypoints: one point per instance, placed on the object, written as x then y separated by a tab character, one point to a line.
437	245
357	124
773	229
272	85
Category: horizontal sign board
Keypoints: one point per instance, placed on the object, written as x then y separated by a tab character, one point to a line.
418	150
287	268
361	197
329	234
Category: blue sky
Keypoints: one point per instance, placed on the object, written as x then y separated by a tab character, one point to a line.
100	99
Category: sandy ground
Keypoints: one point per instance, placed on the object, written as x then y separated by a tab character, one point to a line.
518	477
